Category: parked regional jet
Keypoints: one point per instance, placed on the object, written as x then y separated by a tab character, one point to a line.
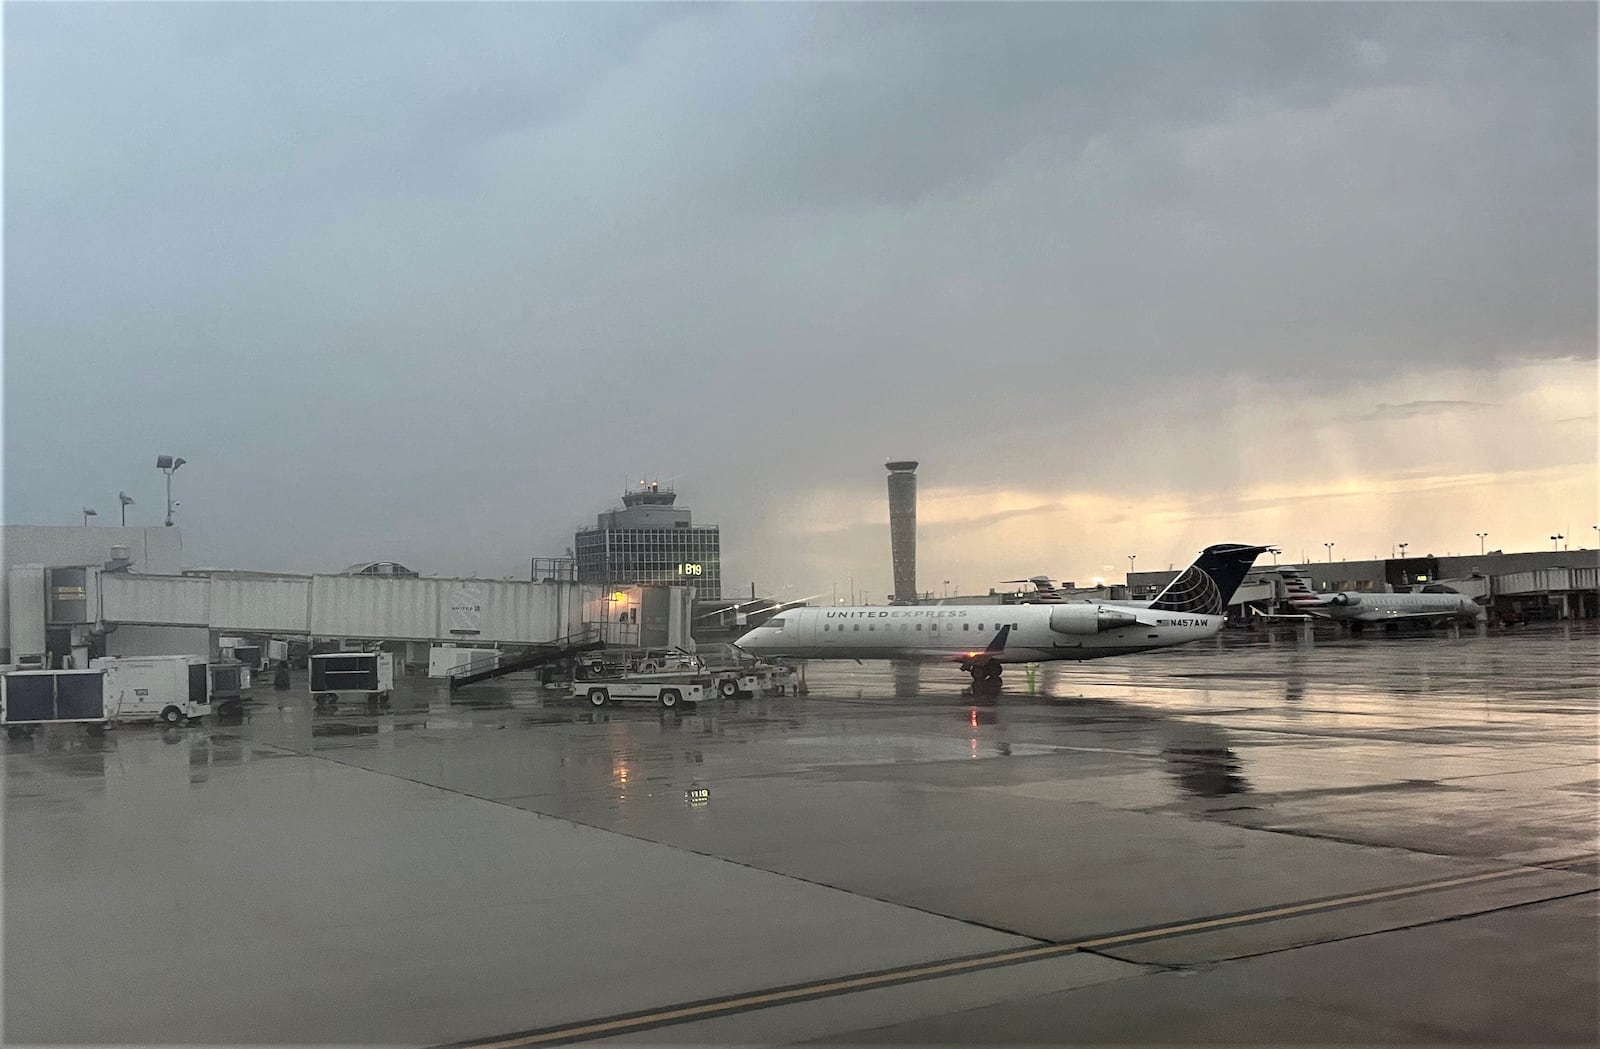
1044	588
981	638
1376	608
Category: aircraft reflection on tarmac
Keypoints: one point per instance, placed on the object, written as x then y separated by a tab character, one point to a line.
1200	761
922	681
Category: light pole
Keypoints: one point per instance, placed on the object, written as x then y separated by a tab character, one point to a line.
168	465
1130	573
1330	552
126	500
1403	548
88	513
946	588
1481	537
1274	551
1555	541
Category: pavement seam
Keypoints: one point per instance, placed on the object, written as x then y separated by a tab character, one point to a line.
1037	940
733	1004
1146	970
1444	920
1295	832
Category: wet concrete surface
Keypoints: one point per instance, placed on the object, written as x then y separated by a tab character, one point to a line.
450	868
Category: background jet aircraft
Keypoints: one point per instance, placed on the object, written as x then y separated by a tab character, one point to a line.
1367	608
981	638
1044	588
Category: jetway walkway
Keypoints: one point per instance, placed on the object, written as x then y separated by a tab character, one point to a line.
480	612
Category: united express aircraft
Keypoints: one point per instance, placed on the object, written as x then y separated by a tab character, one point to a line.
982	638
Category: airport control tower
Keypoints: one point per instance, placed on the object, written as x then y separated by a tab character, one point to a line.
903	529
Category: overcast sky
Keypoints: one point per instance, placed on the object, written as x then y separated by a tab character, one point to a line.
433	283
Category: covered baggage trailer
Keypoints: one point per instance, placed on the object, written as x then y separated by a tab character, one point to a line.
228	684
156	688
369	674
245	651
31	699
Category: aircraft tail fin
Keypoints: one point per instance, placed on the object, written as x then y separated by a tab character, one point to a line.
1206	587
1298	587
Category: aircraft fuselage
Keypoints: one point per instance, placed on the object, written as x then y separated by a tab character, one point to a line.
976	634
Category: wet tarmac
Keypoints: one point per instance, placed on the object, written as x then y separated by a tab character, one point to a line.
1383	839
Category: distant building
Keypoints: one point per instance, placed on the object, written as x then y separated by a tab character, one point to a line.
1535	584
385	568
651	540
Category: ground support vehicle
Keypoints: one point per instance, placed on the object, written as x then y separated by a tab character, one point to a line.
31	699
663	660
156	688
229	680
732	684
726	682
743	680
367	674
772	680
669	692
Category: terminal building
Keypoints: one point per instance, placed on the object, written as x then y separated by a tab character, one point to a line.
1548	584
651	540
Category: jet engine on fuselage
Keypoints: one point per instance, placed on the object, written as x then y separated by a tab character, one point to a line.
1345	600
1089	619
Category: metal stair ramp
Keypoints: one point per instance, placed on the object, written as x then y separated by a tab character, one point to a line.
537	656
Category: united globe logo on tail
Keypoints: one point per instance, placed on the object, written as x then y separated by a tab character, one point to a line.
1206	587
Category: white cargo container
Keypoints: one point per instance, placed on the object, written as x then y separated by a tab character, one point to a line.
442	659
151	688
370	674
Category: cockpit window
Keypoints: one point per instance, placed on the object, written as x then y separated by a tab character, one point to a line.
773	624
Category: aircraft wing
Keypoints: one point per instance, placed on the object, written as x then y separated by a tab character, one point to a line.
1285	615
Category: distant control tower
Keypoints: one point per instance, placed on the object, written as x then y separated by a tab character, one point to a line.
903	529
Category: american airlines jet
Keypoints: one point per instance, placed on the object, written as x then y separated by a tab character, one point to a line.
982	638
1369	608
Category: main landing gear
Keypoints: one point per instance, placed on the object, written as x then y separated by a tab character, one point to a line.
985	676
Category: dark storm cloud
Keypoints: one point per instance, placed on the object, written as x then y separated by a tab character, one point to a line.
406	273
890	108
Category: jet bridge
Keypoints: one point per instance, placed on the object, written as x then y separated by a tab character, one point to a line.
482	612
